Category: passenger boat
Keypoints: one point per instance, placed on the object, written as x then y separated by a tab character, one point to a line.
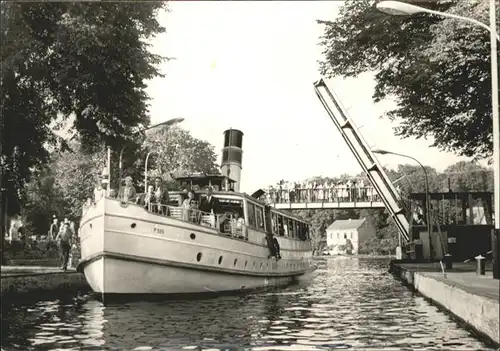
127	248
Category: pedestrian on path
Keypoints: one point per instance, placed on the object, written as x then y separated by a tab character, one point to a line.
64	238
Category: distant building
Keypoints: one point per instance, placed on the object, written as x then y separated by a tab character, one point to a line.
346	235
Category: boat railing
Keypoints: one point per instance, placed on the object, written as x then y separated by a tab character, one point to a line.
225	223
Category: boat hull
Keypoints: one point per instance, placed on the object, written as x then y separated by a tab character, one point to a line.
128	276
127	250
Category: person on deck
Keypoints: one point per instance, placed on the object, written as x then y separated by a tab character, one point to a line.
189	206
127	193
210	203
99	191
239	226
161	196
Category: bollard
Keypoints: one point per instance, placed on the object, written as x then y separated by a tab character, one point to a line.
481	265
399	253
448	262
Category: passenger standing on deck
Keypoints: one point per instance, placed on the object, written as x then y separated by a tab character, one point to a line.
188	205
210	203
161	196
99	191
127	193
64	239
239	226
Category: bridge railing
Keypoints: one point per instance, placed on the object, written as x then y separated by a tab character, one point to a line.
334	195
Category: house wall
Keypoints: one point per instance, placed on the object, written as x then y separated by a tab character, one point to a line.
357	236
336	238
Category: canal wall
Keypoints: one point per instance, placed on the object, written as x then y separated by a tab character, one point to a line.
473	299
22	283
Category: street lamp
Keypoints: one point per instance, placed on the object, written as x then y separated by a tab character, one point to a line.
427	199
146	172
400	8
168	123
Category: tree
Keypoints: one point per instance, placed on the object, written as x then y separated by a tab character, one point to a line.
467	176
438	70
75	174
43	199
176	153
384	243
87	61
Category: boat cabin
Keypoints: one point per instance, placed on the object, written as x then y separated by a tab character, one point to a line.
252	209
202	181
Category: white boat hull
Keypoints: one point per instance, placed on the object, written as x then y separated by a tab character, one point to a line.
132	277
127	250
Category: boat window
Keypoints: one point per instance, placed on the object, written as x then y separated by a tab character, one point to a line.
251	215
291	228
285	226
259	214
281	230
273	223
231	205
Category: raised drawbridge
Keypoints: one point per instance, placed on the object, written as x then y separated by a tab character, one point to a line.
365	157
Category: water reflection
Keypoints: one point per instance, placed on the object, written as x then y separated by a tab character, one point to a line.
350	303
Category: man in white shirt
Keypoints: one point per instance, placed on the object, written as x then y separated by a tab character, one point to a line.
99	191
239	225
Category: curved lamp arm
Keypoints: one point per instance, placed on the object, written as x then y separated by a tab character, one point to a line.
466	19
403	8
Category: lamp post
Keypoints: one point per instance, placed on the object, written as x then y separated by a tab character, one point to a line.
168	123
400	8
146	172
427	199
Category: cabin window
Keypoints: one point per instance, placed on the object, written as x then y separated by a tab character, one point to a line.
274	222
285	226
251	215
231	205
281	229
259	216
303	234
291	228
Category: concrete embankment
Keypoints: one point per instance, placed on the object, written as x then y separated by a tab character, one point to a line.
22	283
472	298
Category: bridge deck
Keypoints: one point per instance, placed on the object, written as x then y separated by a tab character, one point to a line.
328	205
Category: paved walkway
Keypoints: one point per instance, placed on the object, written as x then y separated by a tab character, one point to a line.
462	275
10	271
483	285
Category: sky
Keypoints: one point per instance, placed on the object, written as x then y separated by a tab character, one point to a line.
251	66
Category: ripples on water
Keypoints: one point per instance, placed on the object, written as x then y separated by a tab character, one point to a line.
349	303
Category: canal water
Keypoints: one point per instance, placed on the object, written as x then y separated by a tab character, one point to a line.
349	303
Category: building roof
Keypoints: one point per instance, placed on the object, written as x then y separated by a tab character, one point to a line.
346	224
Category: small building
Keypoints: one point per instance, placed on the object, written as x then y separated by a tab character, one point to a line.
346	235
